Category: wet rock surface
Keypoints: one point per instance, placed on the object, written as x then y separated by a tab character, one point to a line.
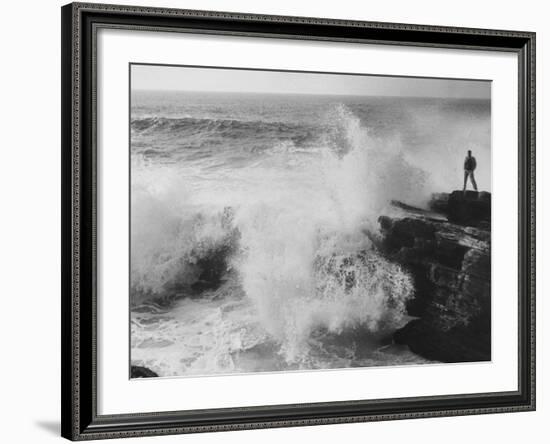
448	252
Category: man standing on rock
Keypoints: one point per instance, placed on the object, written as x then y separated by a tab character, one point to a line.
470	165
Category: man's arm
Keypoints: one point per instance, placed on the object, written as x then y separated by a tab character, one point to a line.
474	163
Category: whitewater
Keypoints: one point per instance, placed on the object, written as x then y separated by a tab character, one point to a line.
252	219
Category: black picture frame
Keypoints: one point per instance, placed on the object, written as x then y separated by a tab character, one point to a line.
80	22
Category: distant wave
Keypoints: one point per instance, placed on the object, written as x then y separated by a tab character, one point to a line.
227	127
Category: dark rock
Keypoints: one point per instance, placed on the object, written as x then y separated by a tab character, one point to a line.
213	268
450	263
477	263
137	371
484	196
465	208
414	228
443	276
439	202
385	222
449	251
460	344
404	232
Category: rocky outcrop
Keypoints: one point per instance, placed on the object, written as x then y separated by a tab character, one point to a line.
137	371
465	208
449	256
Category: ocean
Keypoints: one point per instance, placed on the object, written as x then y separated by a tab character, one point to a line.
252	217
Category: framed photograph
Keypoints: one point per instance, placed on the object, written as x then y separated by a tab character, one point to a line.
280	221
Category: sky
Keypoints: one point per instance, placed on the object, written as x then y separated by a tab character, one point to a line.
181	78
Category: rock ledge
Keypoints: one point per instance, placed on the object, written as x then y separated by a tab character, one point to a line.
448	254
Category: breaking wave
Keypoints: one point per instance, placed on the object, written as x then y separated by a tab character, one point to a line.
287	231
194	131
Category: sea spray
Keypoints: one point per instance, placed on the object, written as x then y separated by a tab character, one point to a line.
284	208
289	242
172	244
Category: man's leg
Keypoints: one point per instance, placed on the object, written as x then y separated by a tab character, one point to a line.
472	178
465	179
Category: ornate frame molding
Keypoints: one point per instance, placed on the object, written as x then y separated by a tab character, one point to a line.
80	21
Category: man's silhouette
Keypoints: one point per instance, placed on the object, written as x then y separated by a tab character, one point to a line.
470	165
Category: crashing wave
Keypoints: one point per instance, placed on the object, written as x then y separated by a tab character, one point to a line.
293	239
192	257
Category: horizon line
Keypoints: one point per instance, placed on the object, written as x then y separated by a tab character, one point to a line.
307	94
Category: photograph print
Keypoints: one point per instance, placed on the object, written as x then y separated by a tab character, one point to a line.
298	221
